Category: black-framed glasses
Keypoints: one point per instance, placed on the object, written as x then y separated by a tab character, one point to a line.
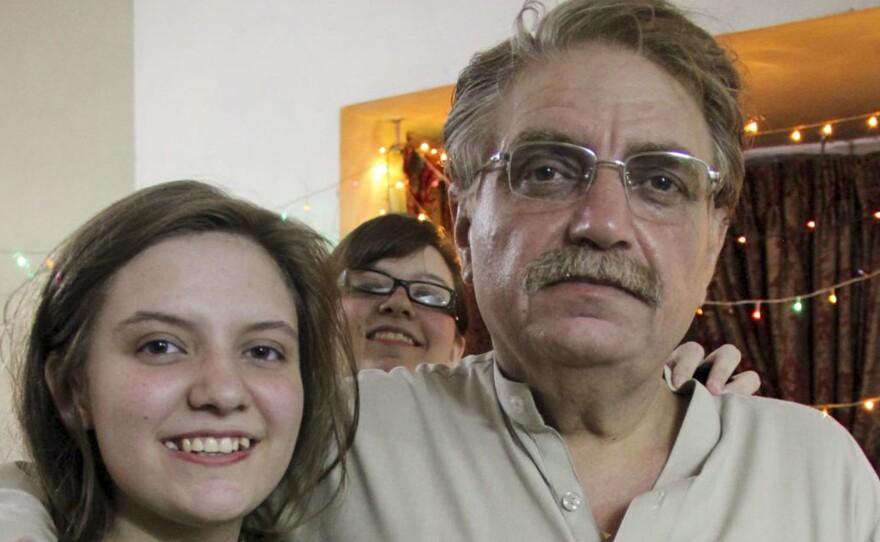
660	185
429	294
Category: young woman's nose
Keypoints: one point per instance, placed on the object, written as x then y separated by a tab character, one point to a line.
219	385
397	301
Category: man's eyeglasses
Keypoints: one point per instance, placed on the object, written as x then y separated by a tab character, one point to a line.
660	185
429	294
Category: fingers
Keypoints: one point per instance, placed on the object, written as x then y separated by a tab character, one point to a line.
684	361
746	383
724	361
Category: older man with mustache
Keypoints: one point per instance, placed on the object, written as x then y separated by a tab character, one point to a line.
596	160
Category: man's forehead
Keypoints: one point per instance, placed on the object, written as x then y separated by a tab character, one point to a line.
575	97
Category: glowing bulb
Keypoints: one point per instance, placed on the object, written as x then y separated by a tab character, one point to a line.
424	147
877	215
869	405
443	157
307	207
825	412
756	314
20	260
827	130
798	306
283	217
796	136
422	217
832	298
752	127
379	171
398	185
741	239
382	150
872	122
382	212
50	263
433	152
699	311
811	224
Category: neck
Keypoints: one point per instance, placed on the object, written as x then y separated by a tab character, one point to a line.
603	403
138	528
619	422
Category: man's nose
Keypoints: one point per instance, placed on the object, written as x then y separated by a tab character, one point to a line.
602	217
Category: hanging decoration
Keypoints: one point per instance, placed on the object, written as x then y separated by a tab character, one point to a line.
854	126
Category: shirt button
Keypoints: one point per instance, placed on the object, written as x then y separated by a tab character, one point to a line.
571	501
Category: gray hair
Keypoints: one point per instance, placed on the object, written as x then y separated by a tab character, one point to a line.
655	29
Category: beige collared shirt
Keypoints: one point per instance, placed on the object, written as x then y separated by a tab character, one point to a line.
463	454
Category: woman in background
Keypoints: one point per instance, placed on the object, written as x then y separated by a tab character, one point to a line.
183	377
423	321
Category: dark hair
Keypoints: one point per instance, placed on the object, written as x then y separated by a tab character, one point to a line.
655	29
67	459
396	236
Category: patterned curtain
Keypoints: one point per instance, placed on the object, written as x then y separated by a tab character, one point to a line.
825	353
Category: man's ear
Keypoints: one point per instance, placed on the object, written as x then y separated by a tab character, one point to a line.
71	401
461	231
457	348
718	223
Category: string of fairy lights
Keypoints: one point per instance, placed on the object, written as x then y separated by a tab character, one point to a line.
821	131
434	157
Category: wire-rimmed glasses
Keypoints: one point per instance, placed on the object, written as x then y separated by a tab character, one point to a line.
660	185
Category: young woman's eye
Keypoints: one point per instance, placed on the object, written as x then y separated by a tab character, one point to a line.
265	353
159	347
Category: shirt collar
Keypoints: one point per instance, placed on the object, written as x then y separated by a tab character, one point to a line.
517	401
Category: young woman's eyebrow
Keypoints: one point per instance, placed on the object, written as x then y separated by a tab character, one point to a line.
154	316
279	325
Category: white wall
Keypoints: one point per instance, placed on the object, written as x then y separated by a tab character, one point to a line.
66	132
248	93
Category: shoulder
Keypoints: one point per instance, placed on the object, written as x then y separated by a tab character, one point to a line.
22	513
472	371
431	396
803	433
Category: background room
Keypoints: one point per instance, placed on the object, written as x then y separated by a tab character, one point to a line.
291	104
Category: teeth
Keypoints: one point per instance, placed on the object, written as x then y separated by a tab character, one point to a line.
210	445
393	336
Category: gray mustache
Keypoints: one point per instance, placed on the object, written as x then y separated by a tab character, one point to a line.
613	268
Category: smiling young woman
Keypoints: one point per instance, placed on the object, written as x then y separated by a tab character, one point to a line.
184	376
404	298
